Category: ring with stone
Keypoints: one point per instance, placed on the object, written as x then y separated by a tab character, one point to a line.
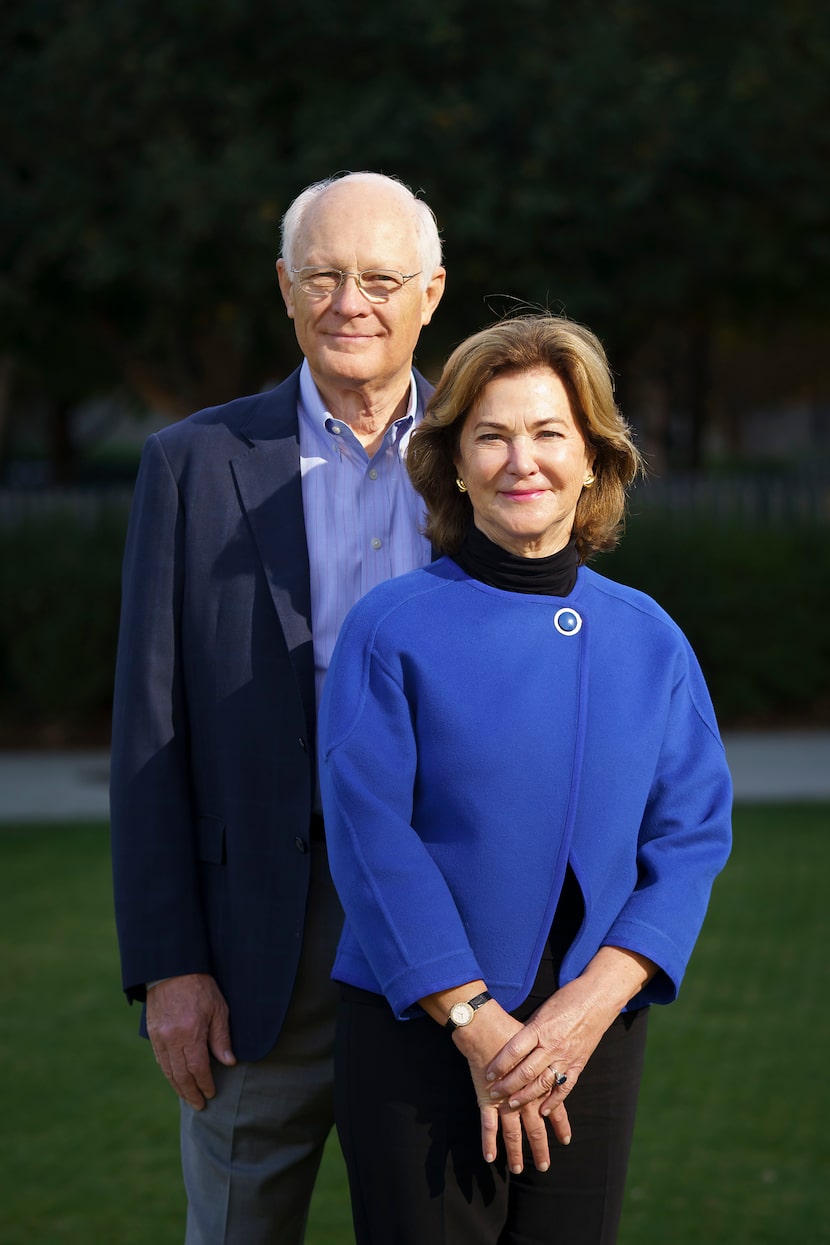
559	1078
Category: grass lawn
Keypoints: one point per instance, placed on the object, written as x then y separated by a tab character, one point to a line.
732	1141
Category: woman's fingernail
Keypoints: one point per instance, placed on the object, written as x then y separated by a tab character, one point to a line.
491	1076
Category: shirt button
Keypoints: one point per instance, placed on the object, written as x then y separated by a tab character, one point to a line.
300	845
336	429
377	543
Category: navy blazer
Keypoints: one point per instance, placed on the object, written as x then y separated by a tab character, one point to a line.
213	747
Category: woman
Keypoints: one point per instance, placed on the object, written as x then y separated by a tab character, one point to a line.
526	803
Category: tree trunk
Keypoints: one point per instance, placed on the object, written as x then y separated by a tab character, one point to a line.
61	450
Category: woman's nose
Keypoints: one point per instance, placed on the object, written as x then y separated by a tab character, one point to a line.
522	460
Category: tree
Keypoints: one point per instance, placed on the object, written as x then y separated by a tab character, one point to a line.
656	171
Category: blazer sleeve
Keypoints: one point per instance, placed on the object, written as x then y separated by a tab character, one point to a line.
161	929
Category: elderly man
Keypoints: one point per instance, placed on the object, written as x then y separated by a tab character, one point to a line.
255	526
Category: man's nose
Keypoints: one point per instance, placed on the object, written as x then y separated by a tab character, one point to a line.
350	299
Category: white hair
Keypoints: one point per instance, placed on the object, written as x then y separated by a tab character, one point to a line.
426	226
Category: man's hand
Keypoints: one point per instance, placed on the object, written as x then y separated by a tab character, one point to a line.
187	1021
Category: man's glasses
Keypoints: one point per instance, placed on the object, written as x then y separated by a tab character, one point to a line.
376	284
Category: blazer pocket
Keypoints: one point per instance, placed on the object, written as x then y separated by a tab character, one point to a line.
211	833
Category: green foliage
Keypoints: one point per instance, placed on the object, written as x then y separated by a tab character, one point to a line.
59	604
645	174
753	601
89	1147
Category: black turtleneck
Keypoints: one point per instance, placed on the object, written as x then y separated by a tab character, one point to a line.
554	575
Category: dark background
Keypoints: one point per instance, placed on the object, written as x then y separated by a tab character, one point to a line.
659	171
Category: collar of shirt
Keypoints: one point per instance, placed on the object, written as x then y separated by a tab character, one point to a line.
330	435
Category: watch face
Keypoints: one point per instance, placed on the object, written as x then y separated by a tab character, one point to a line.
461	1014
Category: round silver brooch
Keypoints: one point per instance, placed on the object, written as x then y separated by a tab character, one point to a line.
567	621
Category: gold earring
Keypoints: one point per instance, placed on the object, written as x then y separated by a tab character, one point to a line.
588	481
460	485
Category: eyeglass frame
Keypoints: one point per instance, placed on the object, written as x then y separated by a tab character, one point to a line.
347	272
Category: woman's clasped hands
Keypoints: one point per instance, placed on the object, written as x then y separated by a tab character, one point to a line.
489	1045
529	1078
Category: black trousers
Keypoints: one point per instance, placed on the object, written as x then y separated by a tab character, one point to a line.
409	1127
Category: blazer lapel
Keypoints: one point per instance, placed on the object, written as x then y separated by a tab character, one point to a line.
267	475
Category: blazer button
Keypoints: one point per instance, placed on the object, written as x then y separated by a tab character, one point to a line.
302	744
301	845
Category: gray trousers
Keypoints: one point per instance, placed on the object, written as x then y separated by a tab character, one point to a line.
250	1158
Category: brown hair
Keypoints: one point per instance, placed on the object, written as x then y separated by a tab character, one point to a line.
522	344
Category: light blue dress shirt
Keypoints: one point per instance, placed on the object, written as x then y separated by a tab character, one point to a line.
362	515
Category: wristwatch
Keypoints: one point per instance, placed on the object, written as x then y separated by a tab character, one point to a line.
462	1013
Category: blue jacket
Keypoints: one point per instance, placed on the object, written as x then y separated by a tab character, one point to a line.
474	741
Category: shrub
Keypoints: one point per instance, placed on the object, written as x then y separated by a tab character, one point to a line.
59	602
753	601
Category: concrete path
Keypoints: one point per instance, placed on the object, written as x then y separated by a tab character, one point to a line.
770	768
72	786
54	786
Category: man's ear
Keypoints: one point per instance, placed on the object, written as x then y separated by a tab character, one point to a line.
433	293
286	288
